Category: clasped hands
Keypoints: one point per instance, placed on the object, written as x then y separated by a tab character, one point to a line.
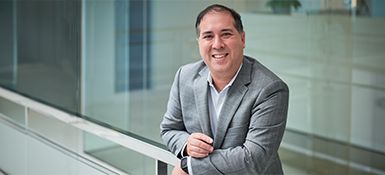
198	146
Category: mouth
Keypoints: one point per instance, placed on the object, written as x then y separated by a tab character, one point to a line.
220	56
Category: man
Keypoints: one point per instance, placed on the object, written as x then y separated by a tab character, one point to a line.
227	113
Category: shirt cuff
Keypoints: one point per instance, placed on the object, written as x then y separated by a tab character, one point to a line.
189	167
182	152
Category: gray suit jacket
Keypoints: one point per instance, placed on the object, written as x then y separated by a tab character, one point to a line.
250	126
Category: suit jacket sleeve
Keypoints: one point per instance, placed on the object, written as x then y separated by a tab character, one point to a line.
258	154
173	131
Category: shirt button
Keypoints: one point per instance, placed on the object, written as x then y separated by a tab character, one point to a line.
220	101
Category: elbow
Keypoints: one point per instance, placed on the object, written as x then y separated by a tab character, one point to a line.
262	160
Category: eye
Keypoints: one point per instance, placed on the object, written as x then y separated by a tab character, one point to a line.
227	34
207	36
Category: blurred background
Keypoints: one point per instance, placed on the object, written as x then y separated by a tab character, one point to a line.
112	62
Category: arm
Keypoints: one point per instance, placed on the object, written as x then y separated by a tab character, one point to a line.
177	170
173	131
264	135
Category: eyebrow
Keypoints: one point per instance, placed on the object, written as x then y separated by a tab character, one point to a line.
223	30
207	32
226	30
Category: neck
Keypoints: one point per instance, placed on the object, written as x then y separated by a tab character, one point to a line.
221	79
220	82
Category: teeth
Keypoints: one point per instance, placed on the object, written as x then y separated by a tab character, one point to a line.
219	56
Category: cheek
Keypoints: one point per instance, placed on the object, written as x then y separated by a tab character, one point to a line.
237	47
203	49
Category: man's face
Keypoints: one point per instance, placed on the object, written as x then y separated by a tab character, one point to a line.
220	44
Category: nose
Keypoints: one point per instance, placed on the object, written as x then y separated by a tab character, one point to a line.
218	43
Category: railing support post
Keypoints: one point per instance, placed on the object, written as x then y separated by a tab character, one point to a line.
161	168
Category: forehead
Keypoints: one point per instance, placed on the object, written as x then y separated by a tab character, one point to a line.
217	19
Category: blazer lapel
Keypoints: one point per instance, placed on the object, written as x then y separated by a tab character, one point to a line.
232	102
201	100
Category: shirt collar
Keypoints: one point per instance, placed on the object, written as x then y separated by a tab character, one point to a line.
210	79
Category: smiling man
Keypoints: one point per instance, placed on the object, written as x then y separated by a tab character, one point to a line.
227	113
221	46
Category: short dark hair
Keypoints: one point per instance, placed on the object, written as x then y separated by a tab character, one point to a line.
219	8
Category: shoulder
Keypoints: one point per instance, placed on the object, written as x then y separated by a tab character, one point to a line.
261	72
260	75
192	70
193	67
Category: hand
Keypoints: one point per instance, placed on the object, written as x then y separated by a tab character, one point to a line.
177	170
198	145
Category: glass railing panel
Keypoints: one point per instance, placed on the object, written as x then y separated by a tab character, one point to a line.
51	128
12	110
13	159
118	156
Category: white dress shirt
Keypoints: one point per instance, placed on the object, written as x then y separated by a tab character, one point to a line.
216	100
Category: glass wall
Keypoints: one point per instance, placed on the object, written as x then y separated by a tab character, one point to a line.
114	61
40	52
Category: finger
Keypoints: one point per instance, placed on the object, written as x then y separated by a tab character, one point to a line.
199	146
198	155
202	137
196	149
198	152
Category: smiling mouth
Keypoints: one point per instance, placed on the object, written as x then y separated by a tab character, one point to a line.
220	56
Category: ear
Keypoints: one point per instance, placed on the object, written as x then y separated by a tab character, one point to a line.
243	38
